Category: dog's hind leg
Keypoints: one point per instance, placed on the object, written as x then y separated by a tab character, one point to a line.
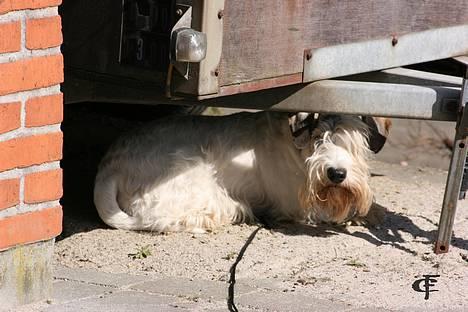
192	200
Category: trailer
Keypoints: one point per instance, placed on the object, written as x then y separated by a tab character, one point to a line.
352	56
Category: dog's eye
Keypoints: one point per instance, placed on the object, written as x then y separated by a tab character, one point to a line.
317	137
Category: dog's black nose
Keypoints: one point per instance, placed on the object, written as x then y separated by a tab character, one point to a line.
336	175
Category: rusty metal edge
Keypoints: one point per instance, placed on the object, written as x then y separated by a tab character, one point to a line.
256	85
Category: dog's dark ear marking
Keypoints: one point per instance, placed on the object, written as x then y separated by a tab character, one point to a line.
302	125
379	128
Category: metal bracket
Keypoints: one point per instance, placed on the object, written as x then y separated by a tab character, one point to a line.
212	25
185	21
462	126
208	16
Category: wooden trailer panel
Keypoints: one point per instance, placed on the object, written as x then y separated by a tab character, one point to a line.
266	39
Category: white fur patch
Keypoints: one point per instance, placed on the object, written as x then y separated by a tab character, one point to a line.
245	159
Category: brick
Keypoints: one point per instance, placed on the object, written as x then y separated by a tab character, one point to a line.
10	116
45	110
42	33
30	227
32	150
9	193
43	186
32	73
10	37
12	5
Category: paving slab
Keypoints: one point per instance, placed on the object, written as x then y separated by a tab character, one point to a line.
63	291
190	288
121	301
274	301
97	277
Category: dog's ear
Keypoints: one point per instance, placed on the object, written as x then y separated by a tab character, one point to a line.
302	139
379	129
302	125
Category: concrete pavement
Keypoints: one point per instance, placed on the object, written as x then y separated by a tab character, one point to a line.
83	290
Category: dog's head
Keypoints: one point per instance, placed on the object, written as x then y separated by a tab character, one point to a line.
336	150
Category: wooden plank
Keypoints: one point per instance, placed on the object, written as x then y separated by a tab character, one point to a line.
267	38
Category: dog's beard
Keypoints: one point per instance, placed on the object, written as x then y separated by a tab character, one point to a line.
337	204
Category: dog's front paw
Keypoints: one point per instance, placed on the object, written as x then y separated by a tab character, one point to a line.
374	217
197	230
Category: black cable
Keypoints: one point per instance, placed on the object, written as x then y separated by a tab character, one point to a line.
232	279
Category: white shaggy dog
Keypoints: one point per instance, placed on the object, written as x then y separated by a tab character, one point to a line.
198	173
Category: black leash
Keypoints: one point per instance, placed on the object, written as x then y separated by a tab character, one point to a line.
232	279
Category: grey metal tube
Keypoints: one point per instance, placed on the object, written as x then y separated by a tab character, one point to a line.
377	99
353	97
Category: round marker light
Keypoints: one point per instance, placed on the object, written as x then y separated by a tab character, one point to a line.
188	45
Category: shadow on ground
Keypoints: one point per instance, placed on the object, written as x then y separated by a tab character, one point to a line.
386	232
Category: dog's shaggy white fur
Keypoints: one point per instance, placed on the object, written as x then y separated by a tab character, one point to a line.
198	173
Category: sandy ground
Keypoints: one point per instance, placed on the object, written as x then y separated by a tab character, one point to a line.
366	266
419	143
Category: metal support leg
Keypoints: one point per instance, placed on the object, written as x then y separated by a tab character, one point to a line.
457	178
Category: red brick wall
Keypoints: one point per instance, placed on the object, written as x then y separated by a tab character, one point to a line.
31	70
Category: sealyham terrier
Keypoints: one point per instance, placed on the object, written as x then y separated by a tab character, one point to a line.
196	173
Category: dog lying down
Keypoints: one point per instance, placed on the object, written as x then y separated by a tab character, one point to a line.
196	173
